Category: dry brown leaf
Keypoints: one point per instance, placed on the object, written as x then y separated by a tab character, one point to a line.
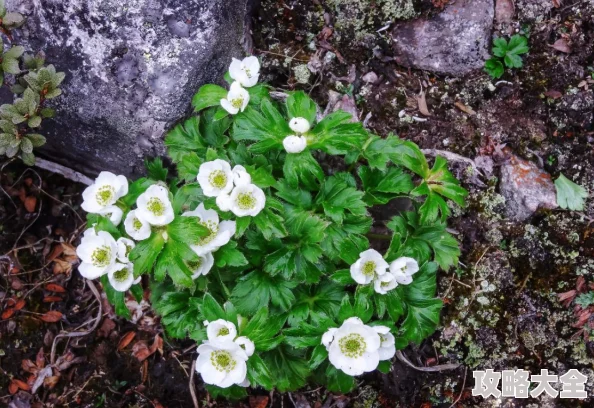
106	328
21	384
51	382
464	108
52	287
140	350
12	388
40	358
52	316
7	314
68	249
260	401
29	366
561	45
126	339
157	345
50	299
61	266
422	103
20	304
16	283
30	203
56	252
553	94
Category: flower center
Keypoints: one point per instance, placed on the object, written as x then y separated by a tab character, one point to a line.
218	178
128	249
136	224
121	275
222	360
368	268
213	229
193	265
352	345
105	195
237	103
101	256
385	284
223	331
247	72
246	201
156	206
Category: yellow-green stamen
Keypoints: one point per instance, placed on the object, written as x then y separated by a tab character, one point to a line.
222	360
246	201
156	206
368	268
352	345
105	195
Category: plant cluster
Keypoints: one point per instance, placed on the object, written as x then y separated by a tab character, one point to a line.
261	253
506	54
34	83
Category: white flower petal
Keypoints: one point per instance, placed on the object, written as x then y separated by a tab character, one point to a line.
104	192
113	212
247	200
299	125
246	344
221	330
225	104
328	337
136	227
121	276
203	267
294	144
215	178
125	245
241	176
154	206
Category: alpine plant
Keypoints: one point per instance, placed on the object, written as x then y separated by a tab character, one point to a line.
265	257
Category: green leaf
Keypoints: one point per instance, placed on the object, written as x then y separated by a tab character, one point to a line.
441	181
263	329
343	277
338	381
14	52
207	96
173	261
322	299
518	44
229	255
258	93
422	318
213	131
11	66
187	229
303	167
267	127
408	154
336	134
188	166
145	253
299	105
257	290
270	224
184	139
26	145
211	309
513	61
155	169
233	393
179	311
115	298
288	367
570	195
34	121
382	186
37	140
28	158
494	68
318	356
337	197
258	373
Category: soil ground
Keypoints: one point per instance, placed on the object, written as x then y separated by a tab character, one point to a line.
503	306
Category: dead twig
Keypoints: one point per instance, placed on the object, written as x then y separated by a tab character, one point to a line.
462	390
192	389
82	333
63	171
437	368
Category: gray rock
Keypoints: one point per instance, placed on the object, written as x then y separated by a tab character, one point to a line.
132	68
526	188
454	42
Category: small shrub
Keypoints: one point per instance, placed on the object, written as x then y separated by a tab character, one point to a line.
506	54
264	258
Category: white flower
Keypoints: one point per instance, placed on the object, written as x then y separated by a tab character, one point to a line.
121	276
246	71
113	212
294	144
222	364
136	227
221	330
202	266
328	337
369	265
224	202
246	344
299	125
154	206
403	269
384	283
387	348
125	245
98	252
241	176
247	200
105	191
219	232
354	348
237	99
215	178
